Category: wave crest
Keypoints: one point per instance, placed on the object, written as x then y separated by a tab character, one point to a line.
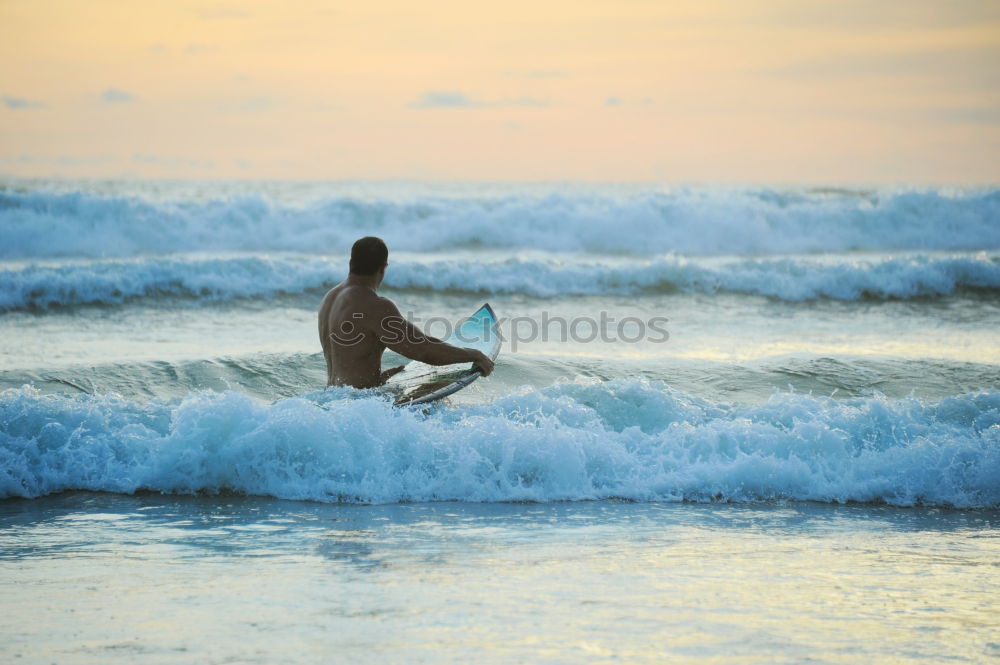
627	439
115	282
686	221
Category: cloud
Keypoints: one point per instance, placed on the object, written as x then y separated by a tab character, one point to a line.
116	96
222	12
19	103
91	160
614	100
200	48
459	100
958	115
867	15
975	65
540	74
71	161
248	105
192	48
328	106
442	99
521	101
188	162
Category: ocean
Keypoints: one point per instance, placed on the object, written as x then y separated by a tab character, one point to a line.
727	425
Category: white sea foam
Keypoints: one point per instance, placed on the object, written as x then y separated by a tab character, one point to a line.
687	221
786	279
572	441
112	282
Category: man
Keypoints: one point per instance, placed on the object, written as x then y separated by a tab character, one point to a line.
356	325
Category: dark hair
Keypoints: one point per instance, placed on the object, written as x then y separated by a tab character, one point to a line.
368	256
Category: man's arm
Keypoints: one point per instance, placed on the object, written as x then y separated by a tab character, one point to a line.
406	339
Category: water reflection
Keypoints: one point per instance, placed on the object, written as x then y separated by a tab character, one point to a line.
84	523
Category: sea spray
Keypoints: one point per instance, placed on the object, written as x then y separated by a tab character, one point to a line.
629	439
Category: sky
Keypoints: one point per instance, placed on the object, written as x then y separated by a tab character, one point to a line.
728	91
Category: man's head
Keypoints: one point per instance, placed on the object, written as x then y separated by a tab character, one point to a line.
369	256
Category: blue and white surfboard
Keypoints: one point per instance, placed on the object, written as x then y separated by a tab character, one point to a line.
420	383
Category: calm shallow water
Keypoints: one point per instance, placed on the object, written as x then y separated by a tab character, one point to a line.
99	578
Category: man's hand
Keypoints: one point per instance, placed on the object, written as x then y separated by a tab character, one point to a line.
384	376
481	362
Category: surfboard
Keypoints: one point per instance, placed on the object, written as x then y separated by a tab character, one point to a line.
420	383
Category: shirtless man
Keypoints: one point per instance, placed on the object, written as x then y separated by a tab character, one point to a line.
356	325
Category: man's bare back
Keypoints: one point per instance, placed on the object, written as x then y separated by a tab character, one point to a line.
356	325
353	357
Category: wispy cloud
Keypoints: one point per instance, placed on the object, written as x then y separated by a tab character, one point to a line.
981	115
86	160
20	103
71	161
329	106
200	48
989	115
442	99
866	15
540	74
192	48
116	96
974	63
222	12
158	160
248	105
521	101
614	100
459	100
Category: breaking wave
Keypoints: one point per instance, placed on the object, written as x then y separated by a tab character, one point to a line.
692	221
221	279
624	438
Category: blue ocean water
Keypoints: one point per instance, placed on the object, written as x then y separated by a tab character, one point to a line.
672	355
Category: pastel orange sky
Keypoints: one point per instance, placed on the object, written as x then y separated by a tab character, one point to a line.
775	91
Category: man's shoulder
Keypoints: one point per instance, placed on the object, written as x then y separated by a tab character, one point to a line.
351	300
381	307
351	293
367	302
334	293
